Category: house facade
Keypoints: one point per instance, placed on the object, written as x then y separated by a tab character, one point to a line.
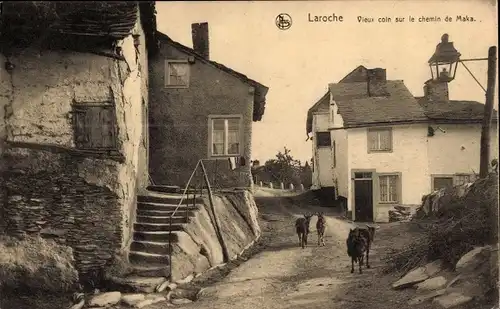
200	109
319	118
391	148
73	123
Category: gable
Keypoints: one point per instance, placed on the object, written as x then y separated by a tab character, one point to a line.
359	74
323	105
260	90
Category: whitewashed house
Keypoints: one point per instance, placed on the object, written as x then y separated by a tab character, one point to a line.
390	148
322	160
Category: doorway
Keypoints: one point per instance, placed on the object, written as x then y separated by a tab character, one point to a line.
363	196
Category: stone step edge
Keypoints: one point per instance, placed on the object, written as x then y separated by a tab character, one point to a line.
148	254
158	243
160	224
170	204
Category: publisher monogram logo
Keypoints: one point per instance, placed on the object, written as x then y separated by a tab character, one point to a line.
283	21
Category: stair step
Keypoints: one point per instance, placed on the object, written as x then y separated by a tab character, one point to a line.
164	189
137	257
164	213
151	270
157	227
164	198
150	247
178	218
160	206
155	236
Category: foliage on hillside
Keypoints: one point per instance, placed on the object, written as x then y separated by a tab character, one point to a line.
461	224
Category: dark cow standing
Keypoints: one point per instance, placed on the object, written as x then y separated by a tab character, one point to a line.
302	229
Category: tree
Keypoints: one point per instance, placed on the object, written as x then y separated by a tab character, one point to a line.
284	168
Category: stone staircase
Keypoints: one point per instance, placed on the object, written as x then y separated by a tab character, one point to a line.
149	251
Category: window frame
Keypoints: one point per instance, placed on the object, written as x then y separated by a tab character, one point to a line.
375	130
454	178
211	118
317	139
398	188
84	108
167	73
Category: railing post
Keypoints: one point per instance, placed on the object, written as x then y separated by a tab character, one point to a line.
170	247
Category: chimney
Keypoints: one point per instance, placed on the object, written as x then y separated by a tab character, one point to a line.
377	82
199	33
436	91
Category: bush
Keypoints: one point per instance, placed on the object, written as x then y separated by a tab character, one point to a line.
36	264
461	225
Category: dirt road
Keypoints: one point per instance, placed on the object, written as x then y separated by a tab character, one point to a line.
283	275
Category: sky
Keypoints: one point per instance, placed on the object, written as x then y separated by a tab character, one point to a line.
298	64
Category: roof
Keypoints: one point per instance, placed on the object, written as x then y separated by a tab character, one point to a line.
321	105
357	75
52	22
454	110
359	109
260	89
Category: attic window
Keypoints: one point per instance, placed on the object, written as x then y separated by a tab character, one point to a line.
177	73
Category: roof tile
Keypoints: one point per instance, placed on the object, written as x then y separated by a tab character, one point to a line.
357	108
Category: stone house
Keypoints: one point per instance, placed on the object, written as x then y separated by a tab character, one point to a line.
200	109
73	122
389	148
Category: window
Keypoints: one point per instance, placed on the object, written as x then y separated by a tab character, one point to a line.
389	188
380	140
448	181
442	182
323	139
95	126
225	136
177	74
461	179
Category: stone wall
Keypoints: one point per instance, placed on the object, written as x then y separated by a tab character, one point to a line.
199	248
179	120
47	196
44	178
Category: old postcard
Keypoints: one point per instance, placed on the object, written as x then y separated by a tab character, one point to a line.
250	154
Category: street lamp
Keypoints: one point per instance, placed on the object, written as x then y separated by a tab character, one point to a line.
447	56
443	64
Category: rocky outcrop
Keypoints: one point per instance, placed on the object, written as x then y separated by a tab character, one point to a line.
198	248
400	213
418	275
475	275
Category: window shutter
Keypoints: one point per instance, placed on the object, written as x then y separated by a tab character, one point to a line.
81	137
107	131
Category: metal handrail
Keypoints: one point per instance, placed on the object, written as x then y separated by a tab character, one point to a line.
185	193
